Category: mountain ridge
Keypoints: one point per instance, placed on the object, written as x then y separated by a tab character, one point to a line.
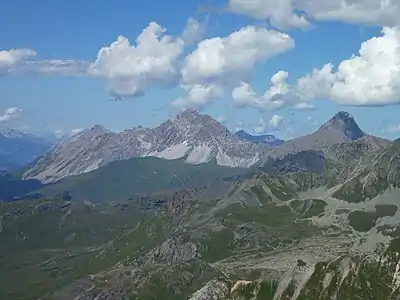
18	148
267	139
199	138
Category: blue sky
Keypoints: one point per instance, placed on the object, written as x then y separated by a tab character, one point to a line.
73	32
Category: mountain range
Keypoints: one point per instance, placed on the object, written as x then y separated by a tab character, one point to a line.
198	138
18	149
264	139
316	217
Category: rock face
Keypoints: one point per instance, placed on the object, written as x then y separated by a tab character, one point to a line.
213	290
198	137
345	124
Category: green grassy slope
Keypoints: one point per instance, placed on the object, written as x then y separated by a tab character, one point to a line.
121	180
46	244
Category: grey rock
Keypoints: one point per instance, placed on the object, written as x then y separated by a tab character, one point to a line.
213	290
172	251
198	137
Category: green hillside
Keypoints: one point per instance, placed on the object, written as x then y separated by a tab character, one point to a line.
12	187
121	180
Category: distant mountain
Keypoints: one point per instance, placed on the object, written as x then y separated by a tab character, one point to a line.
198	137
18	148
264	139
341	128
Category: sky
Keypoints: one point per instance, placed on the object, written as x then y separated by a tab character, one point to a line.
281	67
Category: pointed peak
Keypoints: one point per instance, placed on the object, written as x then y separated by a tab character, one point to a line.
189	112
98	128
343	115
93	131
241	132
194	116
344	123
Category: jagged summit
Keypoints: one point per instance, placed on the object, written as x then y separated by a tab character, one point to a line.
189	112
195	117
345	123
98	129
94	130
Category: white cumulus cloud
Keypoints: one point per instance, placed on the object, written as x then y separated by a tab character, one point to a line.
198	95
20	61
10	58
53	67
10	114
277	96
129	70
194	31
275	121
280	13
316	84
231	57
304	106
371	78
284	13
368	12
220	62
261	127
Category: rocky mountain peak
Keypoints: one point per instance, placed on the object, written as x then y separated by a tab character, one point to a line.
191	121
98	129
344	123
188	114
191	115
95	130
